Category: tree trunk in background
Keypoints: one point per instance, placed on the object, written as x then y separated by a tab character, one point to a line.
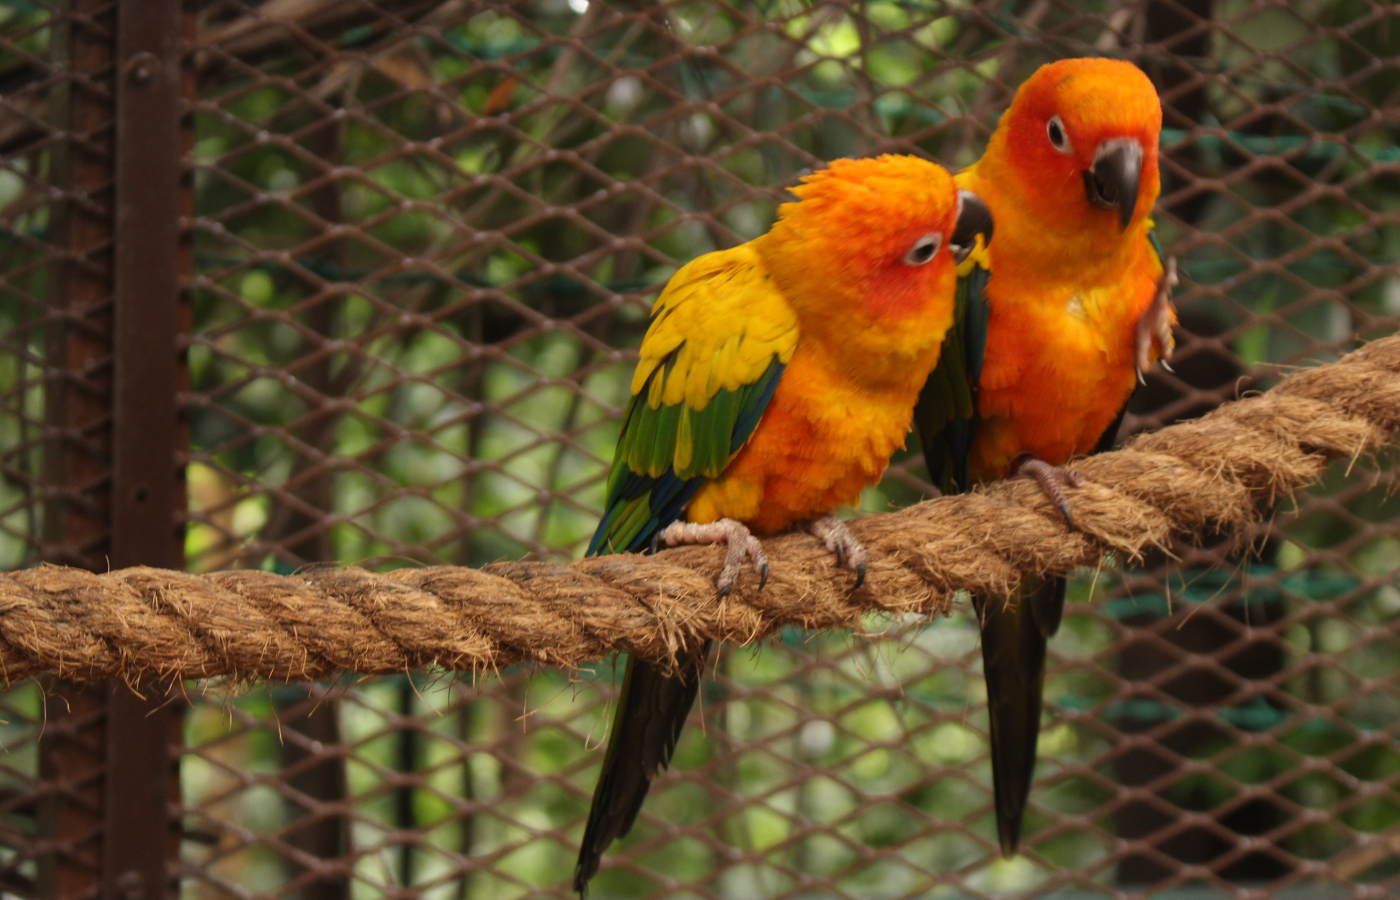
302	536
314	769
1179	40
1201	689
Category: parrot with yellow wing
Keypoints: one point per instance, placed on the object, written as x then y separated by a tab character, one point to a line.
775	380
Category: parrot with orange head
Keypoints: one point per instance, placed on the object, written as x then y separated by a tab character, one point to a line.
1054	327
775	380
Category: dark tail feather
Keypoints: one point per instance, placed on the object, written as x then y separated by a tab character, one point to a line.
1014	635
651	710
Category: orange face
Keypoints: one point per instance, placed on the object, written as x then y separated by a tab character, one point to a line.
875	232
1086	131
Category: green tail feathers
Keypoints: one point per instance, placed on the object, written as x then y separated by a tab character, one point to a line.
1014	637
651	711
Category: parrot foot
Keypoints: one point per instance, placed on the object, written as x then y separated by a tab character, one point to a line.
1154	327
742	545
839	539
1052	481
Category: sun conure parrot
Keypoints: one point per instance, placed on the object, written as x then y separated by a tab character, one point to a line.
1055	324
775	381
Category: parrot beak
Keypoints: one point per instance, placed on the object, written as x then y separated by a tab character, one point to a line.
1112	182
973	219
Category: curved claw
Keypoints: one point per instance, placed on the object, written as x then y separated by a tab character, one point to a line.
1052	481
656	541
742	545
837	537
1154	326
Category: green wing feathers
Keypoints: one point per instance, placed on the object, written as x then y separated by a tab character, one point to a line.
691	442
665	454
720	337
946	413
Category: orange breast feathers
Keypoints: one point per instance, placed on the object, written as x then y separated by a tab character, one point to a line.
1072	266
823	439
1059	364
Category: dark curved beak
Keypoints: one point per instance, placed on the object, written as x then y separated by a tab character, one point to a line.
1113	180
973	219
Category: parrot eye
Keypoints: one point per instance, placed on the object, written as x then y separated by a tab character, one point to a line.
924	249
1056	131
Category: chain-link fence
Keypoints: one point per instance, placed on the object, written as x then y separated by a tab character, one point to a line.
425	237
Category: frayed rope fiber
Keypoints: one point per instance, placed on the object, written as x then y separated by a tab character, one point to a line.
1214	475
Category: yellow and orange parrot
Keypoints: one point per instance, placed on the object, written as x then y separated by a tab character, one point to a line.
1056	323
775	381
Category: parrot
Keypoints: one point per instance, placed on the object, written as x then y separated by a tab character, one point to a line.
775	380
1055	325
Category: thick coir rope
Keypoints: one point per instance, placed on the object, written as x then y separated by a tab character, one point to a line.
1212	475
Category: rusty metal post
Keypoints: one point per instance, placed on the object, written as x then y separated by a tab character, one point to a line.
142	774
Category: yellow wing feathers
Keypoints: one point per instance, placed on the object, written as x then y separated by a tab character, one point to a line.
717	326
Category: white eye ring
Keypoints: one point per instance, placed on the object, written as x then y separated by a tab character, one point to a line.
924	249
1059	138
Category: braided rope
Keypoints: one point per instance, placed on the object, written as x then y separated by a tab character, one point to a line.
1217	474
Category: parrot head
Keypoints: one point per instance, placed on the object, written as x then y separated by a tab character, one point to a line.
1084	133
875	241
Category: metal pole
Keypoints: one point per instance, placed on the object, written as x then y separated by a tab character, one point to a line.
142	773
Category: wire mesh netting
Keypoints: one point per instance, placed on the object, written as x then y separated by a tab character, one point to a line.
427	236
56	131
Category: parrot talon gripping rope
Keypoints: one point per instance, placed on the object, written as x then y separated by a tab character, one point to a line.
742	545
1052	481
837	536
